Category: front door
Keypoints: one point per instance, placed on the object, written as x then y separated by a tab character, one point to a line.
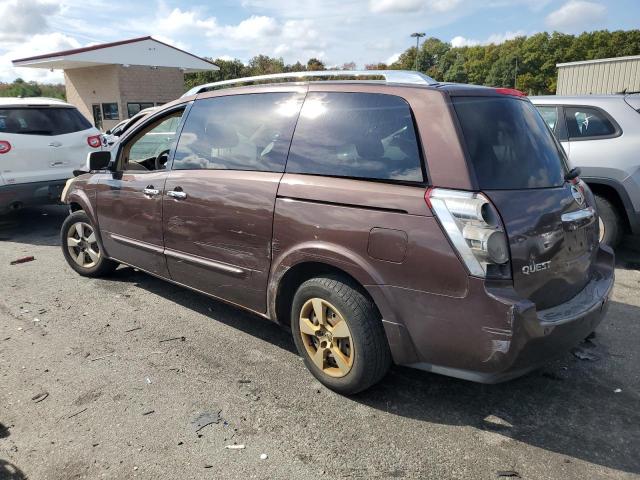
130	199
220	195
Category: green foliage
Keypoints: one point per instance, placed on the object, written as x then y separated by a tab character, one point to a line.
20	88
536	56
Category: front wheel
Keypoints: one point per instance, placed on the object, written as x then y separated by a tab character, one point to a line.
81	248
338	331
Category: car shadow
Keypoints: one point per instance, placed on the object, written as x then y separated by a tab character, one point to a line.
567	407
34	225
9	471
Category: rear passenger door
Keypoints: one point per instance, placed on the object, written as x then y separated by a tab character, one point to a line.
220	195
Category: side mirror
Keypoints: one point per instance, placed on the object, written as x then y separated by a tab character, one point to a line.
98	160
108	132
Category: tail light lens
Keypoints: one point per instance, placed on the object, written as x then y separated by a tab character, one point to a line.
94	141
475	229
5	146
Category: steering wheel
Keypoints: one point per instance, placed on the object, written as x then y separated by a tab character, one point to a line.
158	164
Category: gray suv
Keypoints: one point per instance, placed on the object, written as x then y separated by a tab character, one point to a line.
601	135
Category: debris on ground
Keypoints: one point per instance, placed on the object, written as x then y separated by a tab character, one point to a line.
78	413
148	380
149	412
617	390
244	381
204	419
22	260
508	473
235	447
100	358
132	329
182	339
264	456
40	397
584	355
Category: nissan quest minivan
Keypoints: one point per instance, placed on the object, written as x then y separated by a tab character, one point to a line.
383	220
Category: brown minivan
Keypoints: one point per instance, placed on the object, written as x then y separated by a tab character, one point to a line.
385	219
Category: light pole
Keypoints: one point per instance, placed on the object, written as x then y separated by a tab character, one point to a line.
418	37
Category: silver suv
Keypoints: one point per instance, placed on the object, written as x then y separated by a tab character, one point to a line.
601	135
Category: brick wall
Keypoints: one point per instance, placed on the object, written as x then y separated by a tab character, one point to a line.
146	84
92	85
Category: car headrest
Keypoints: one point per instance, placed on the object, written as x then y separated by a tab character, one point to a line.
369	148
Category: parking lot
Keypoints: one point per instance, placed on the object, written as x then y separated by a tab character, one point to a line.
110	378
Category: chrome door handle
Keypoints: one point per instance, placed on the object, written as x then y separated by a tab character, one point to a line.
579	218
56	164
177	194
151	191
55	144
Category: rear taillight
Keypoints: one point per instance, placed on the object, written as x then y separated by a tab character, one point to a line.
94	141
511	91
5	146
475	229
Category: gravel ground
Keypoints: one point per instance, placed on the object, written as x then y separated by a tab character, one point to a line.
122	398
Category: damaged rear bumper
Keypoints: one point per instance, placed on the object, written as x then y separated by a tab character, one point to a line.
495	339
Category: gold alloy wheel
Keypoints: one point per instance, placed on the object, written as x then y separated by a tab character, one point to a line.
82	244
326	337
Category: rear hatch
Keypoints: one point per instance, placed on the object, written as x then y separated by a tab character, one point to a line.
550	223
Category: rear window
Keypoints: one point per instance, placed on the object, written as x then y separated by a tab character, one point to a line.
586	122
509	144
42	121
359	135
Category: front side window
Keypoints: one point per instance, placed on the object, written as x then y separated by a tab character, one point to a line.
149	148
585	122
42	121
508	143
358	135
238	132
550	116
110	111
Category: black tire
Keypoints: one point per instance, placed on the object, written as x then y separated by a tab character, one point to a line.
371	355
97	266
611	220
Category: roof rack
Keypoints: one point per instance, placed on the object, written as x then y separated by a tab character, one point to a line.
390	76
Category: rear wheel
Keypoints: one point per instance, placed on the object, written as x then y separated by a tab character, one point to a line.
338	332
81	248
611	227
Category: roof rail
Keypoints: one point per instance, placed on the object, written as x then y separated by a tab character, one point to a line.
390	76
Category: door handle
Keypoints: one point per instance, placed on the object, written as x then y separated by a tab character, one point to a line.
55	144
150	191
56	164
177	194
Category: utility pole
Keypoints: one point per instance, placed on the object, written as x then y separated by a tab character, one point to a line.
515	77
418	36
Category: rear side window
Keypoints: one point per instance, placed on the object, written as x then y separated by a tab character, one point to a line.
359	135
585	122
42	121
509	145
550	116
239	132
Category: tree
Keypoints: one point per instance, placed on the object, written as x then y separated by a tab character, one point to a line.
315	64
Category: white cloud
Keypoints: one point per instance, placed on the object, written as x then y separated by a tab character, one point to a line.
392	59
576	15
405	6
496	38
37	44
22	18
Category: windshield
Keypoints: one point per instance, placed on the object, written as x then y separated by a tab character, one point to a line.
509	145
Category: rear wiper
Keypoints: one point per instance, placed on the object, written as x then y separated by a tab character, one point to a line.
572	174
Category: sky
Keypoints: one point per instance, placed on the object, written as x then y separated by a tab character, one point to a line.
336	31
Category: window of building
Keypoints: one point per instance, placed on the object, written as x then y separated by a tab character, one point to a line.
135	107
239	132
361	135
586	122
110	111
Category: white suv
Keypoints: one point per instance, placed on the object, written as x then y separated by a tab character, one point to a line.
42	141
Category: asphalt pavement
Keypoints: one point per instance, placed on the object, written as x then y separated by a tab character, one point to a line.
133	377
